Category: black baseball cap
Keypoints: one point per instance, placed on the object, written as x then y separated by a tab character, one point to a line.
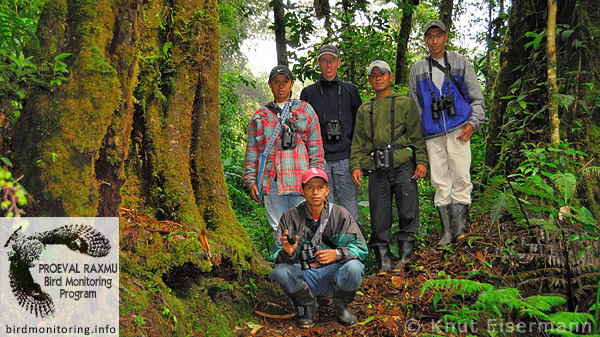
281	69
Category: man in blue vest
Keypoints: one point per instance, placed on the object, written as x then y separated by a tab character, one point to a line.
451	104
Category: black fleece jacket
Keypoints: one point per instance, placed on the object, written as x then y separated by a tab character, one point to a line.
326	98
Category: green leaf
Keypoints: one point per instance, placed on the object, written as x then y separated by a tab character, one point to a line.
565	100
6	161
366	321
566	184
61	56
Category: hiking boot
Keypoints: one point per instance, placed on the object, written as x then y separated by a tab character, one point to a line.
458	219
405	250
446	236
304	298
341	299
384	258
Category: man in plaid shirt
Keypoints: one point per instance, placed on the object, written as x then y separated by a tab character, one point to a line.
298	146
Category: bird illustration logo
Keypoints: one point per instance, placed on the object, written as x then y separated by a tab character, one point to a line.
27	249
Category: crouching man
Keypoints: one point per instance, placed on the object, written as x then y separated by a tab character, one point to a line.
318	251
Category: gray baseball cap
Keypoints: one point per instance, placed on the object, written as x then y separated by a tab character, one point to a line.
432	24
383	66
329	49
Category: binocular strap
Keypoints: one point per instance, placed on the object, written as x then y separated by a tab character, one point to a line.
316	239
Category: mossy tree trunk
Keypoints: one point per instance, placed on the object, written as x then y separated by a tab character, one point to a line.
511	60
446	9
407	7
279	24
523	69
136	124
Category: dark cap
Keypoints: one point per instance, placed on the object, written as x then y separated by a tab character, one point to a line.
281	70
329	49
432	24
314	172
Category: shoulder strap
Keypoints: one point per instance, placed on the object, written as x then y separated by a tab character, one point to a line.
316	239
263	155
372	127
448	71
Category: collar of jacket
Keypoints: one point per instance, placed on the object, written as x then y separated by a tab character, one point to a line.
324	211
275	108
322	79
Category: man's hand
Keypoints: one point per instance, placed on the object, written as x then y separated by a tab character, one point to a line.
254	193
357	177
289	249
326	256
467	132
420	171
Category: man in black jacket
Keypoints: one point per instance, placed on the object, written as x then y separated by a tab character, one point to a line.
336	103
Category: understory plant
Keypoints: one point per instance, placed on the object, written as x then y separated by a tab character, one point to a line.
479	309
542	191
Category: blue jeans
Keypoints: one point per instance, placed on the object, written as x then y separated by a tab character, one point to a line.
383	186
346	276
275	204
341	185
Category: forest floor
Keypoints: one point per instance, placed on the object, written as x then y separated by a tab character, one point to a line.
390	304
535	260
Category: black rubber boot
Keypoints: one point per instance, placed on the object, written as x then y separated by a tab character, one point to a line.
458	217
446	236
405	250
341	299
384	258
305	298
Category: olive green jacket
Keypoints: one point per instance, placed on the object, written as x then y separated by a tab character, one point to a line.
406	117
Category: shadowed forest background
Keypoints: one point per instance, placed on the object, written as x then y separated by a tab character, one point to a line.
114	108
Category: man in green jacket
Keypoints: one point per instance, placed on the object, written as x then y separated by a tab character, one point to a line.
389	147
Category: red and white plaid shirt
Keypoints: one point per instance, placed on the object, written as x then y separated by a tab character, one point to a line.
290	163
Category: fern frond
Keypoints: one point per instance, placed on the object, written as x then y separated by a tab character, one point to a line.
591	170
505	296
464	286
534	312
544	303
561	332
501	204
569	320
566	184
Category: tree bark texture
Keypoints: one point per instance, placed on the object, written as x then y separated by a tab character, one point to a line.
137	120
446	8
512	55
552	86
402	42
280	41
71	143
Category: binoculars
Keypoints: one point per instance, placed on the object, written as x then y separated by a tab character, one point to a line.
382	157
288	138
307	255
445	103
333	130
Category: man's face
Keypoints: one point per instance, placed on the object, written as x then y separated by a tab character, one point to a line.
435	39
315	191
281	86
329	65
380	81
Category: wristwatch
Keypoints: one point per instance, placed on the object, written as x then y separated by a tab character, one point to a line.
338	253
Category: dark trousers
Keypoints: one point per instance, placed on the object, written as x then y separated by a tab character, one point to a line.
383	186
